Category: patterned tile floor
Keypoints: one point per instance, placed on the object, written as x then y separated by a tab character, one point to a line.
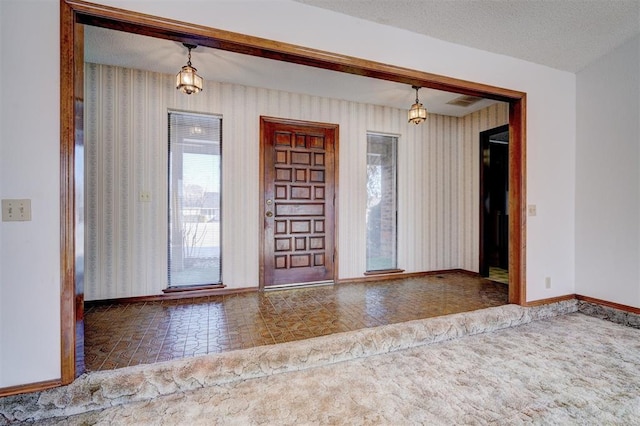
119	335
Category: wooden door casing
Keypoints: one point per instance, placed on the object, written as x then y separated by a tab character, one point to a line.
74	15
298	201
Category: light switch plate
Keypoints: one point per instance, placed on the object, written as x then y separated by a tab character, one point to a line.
16	210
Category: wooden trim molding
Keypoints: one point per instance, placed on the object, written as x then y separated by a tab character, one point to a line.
614	305
184	32
550	300
30	387
517	200
74	13
68	52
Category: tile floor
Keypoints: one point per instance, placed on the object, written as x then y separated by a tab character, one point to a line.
119	335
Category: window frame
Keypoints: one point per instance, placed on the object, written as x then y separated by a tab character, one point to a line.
394	139
185	287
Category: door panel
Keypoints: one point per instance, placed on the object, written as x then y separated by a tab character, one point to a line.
298	160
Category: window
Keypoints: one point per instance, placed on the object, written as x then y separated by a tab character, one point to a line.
381	202
195	155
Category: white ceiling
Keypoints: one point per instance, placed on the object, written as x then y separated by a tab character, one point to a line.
563	34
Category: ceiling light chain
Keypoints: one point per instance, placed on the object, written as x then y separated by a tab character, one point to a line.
187	80
417	113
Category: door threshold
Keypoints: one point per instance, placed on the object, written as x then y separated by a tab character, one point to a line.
298	285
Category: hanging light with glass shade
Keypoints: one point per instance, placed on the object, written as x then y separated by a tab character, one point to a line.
417	113
187	80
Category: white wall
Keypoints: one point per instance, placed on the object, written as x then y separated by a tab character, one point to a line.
608	177
29	168
3	36
29	265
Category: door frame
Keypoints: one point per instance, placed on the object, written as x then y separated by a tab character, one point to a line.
75	13
336	145
484	142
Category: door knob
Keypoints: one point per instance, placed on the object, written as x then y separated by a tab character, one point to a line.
269	214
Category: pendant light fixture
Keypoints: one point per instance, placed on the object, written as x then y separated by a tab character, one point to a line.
187	80
417	113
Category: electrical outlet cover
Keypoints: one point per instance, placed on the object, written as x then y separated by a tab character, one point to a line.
16	210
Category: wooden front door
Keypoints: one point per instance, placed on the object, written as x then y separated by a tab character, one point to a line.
298	204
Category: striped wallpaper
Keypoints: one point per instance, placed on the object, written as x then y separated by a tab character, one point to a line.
126	153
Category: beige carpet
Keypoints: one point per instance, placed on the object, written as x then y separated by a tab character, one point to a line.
565	369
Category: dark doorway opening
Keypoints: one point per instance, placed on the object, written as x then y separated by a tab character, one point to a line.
494	203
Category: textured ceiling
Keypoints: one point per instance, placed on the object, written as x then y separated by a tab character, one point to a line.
562	34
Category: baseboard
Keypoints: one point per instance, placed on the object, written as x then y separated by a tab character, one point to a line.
30	387
189	294
400	276
618	306
550	300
